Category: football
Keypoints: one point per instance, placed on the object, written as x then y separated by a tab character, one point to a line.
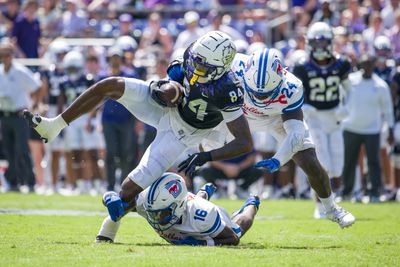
172	93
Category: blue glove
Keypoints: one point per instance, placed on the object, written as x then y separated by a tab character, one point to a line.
209	188
189	241
272	164
115	205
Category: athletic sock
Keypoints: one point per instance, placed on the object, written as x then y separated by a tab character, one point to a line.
109	228
328	202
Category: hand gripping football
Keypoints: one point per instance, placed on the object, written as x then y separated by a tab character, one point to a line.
168	93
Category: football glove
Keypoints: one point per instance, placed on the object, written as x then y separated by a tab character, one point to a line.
272	164
115	205
198	159
156	93
209	189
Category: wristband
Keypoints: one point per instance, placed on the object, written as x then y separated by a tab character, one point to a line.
210	242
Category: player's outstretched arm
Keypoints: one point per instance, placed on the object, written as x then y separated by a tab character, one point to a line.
294	141
242	144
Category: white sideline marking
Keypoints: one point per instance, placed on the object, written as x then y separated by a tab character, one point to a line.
44	212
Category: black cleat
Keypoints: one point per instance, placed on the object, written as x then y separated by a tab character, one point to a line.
32	119
103	239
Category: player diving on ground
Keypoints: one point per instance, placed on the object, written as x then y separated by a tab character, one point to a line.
182	218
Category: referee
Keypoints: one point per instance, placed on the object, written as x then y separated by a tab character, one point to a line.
17	90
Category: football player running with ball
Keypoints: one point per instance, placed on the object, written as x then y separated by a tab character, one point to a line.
325	76
212	95
182	218
273	102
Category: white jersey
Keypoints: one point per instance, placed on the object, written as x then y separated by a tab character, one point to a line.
290	98
201	220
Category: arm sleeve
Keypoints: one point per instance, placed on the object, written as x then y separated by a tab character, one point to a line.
294	141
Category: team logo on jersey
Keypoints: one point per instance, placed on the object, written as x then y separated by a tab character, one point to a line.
174	188
277	67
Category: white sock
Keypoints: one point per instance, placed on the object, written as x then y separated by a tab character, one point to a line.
109	228
328	202
60	122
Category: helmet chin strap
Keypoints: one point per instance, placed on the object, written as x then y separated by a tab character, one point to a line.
194	79
197	77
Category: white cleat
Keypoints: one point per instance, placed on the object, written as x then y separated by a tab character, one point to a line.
319	212
341	217
47	128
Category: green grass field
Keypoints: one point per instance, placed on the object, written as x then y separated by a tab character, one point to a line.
284	234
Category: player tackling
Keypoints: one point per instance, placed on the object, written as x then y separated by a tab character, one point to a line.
273	102
212	95
182	218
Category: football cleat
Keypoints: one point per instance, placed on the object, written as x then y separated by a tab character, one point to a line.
341	217
48	129
319	211
251	200
103	239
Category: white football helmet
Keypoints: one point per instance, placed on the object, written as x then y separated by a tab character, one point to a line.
56	51
263	77
209	57
126	43
319	41
73	64
255	47
295	57
383	47
166	201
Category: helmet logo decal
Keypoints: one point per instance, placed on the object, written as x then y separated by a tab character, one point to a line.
228	53
276	66
248	64
174	188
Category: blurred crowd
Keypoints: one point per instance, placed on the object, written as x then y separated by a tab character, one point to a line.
75	43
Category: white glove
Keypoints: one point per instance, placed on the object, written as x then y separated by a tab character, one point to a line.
48	129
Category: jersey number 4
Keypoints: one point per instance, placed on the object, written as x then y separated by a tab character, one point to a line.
324	90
